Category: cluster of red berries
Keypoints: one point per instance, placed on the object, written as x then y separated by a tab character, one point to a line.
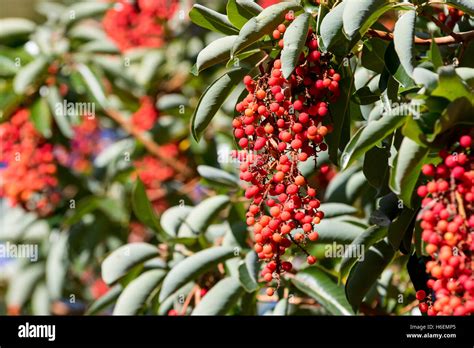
145	117
154	173
280	124
28	168
454	15
140	23
448	223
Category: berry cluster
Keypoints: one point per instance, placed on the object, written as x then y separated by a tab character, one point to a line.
145	117
454	15
280	124
139	23
153	173
448	223
27	166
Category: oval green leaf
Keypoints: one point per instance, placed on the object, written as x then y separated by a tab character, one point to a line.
29	75
218	176
192	267
201	216
358	248
217	51
366	272
248	272
403	36
318	284
406	169
123	259
220	299
262	25
212	99
368	137
134	297
15	27
240	11
294	40
212	20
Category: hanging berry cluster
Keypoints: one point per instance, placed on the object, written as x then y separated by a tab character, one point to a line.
280	124
140	23
145	117
154	174
451	18
27	166
448	224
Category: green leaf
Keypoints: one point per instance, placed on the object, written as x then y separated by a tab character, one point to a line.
358	248
93	85
41	117
281	307
104	46
172	219
294	40
248	272
218	176
359	15
240	11
201	216
318	284
40	301
332	35
134	297
467	74
83	10
425	77
262	25
373	54
56	106
193	266
451	86
396	69
29	75
7	67
376	166
366	272
212	20
434	55
122	260
406	169
367	137
464	5
332	230
15	27
399	227
336	209
217	51
57	266
105	300
212	99
403	35
364	96
142	207
220	299
23	284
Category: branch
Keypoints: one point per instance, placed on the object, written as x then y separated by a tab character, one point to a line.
149	144
444	40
